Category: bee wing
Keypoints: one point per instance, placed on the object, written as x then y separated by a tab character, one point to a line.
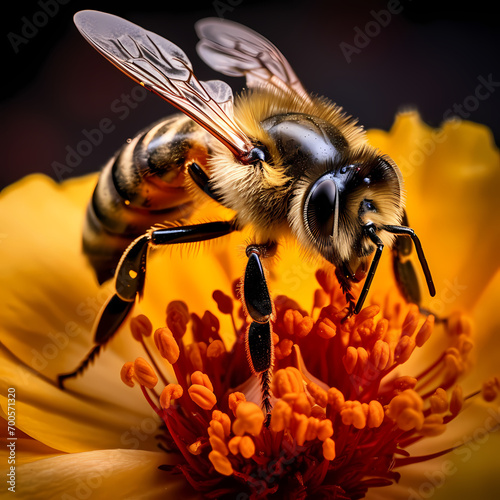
235	50
162	67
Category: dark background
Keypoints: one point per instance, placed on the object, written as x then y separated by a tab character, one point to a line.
55	86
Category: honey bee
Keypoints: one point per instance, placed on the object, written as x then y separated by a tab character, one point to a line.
285	162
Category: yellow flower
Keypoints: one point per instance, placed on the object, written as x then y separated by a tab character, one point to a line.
356	404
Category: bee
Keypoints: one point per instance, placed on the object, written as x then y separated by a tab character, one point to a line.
285	162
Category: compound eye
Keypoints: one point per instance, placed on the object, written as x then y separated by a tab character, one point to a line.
320	208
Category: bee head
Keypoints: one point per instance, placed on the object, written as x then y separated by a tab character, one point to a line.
332	205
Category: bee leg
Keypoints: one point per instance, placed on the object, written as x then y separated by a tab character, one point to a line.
202	180
370	231
131	274
129	283
402	269
259	306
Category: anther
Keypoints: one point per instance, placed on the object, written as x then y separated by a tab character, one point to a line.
425	331
411	321
140	326
299	403
177	318
350	359
319	394
335	398
202	396
216	429
280	416
234	400
329	449
283	349
224	302
196	353
490	389
296	324
166	344
456	400
221	464
218	444
439	401
367	313
202	379
243	445
216	349
224	421
404	382
326	328
299	427
381	329
127	373
249	419
433	426
287	380
406	410
195	448
404	349
380	355
325	429
144	374
375	414
170	392
353	414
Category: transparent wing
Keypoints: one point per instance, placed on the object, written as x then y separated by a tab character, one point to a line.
236	50
162	67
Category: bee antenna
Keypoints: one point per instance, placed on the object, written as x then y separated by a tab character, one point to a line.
406	231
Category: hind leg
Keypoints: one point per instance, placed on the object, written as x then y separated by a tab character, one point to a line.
259	306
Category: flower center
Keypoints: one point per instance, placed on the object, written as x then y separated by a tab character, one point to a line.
344	410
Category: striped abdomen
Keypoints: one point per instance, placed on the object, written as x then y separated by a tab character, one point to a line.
141	186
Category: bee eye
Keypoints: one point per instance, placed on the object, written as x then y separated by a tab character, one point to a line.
320	208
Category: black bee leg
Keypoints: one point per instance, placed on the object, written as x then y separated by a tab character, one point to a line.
131	274
129	283
259	306
404	270
202	180
409	289
370	231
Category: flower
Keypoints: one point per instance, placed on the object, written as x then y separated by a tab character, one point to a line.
355	403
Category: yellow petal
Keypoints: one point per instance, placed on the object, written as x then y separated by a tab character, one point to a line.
67	421
451	177
100	474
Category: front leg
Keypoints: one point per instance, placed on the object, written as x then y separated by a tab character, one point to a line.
259	306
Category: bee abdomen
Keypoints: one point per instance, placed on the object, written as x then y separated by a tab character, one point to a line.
144	184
